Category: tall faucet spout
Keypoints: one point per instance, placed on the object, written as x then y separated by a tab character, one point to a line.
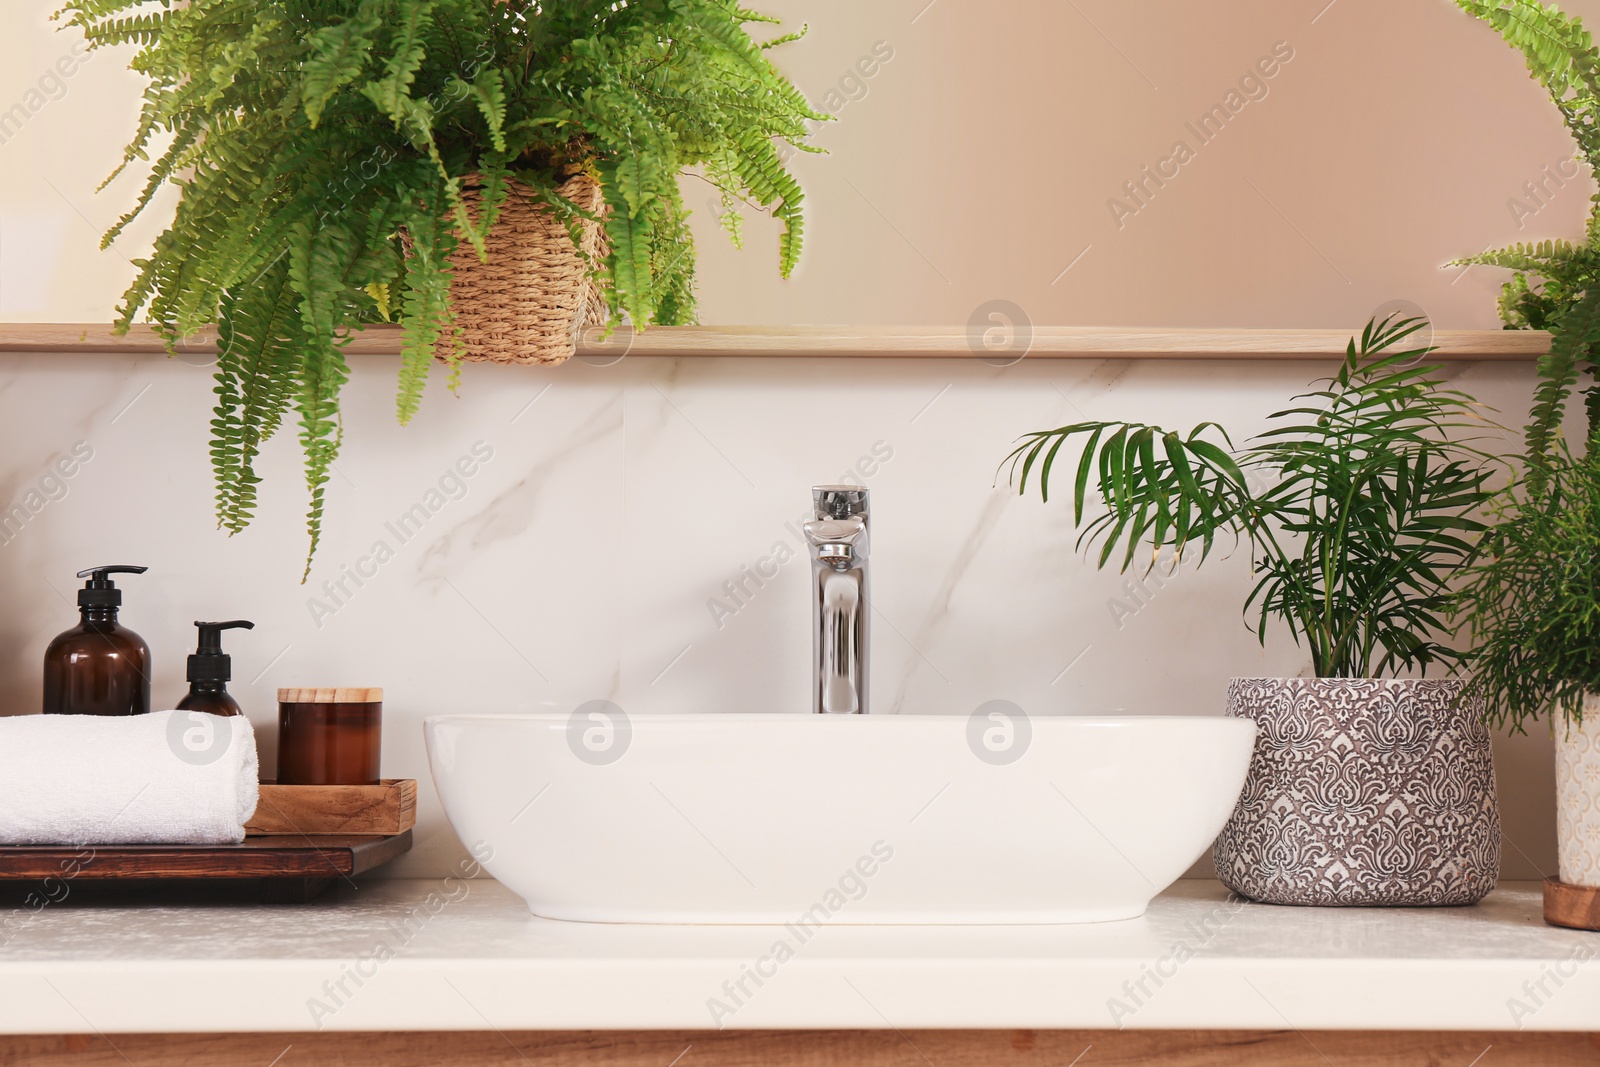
838	538
840	640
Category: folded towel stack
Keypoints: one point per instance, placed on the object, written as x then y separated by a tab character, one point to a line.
170	777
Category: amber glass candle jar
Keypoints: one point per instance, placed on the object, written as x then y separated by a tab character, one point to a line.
329	736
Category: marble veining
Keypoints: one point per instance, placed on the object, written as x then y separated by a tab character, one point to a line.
930	630
512	511
587	559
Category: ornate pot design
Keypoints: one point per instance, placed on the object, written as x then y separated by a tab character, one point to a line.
1578	796
1362	792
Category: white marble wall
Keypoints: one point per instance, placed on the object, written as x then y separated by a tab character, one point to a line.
977	162
584	557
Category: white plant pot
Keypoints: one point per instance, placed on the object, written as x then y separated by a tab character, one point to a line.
1578	796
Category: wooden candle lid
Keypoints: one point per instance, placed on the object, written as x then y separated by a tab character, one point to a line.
1571	905
330	696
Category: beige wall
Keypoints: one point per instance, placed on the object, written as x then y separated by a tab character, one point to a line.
981	161
975	164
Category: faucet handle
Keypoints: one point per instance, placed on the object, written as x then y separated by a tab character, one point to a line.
839	501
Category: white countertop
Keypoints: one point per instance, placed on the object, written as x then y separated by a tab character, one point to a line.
453	955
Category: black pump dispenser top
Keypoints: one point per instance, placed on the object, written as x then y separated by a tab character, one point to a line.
99	667
209	664
100	591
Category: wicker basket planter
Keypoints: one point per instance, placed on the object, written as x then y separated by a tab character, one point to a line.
1362	792
534	297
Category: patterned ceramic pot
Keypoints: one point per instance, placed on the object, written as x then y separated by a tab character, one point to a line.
1362	792
1578	796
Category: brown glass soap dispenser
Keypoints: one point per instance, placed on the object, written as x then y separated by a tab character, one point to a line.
209	671
99	667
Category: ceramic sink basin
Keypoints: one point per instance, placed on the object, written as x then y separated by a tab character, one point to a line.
816	819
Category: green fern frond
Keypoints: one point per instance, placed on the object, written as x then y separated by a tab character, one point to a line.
339	55
1576	331
320	153
784	38
1545	257
408	48
257	374
631	233
1562	56
489	93
425	308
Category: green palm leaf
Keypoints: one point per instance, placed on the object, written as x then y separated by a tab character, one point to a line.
1372	489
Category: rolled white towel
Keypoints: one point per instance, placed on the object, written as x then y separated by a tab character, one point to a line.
170	777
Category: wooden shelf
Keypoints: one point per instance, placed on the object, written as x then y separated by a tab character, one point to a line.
909	342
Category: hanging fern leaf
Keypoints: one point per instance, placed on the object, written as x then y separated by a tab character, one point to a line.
257	375
1561	55
339	54
489	93
322	153
1558	371
425	315
408	48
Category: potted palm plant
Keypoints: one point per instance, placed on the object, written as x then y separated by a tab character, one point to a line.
493	175
1357	507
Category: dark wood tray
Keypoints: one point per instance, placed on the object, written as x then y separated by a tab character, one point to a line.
289	869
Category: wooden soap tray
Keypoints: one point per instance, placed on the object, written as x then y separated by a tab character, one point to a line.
280	870
390	807
302	839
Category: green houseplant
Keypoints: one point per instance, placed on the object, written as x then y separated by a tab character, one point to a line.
1358	506
1534	597
1555	284
1533	602
323	150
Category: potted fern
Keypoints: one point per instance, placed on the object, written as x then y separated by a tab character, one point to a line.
1357	507
1533	601
490	174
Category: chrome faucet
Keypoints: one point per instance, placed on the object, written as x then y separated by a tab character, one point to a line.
839	633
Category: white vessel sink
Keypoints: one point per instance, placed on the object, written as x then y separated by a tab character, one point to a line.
811	819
